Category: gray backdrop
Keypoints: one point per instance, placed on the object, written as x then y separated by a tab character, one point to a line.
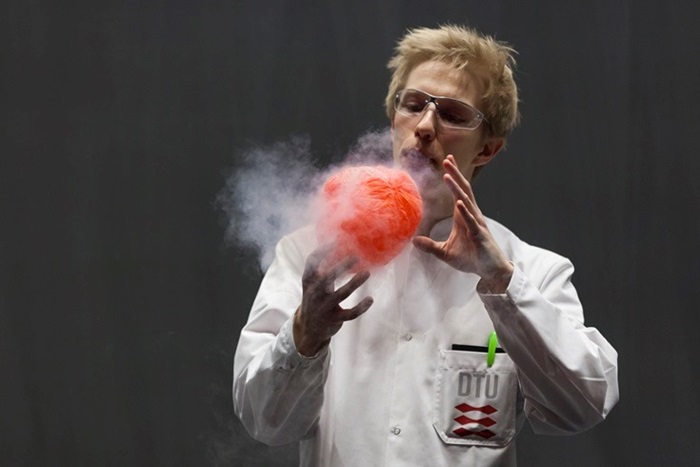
120	305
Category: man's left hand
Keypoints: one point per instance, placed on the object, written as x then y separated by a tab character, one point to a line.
470	246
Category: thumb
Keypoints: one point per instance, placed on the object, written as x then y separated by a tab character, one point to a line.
427	245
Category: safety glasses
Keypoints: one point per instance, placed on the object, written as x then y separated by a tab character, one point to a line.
452	113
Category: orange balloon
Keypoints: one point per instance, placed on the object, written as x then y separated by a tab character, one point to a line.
368	212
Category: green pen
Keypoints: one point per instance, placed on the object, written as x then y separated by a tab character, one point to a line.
491	355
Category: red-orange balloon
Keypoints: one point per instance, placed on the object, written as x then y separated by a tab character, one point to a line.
369	212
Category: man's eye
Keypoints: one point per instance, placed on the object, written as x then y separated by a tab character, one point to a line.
414	105
453	117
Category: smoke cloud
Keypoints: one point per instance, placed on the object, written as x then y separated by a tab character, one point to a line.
273	190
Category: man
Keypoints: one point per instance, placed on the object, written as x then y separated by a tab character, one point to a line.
401	366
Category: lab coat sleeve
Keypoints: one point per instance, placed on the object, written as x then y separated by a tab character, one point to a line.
567	371
277	393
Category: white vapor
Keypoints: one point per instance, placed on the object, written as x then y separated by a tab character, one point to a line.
271	193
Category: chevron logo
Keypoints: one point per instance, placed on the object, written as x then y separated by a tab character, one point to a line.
485	422
487	409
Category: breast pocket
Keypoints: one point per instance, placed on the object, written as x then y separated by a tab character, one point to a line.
475	404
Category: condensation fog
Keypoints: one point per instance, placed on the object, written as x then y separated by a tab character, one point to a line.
271	192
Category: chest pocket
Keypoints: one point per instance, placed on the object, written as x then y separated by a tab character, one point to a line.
475	405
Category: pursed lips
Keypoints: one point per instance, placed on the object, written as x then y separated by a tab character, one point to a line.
415	159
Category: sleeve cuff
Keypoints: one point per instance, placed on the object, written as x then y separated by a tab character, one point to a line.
511	294
293	357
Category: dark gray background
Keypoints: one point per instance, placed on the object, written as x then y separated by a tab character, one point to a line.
120	305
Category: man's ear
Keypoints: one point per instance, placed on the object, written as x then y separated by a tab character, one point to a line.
492	146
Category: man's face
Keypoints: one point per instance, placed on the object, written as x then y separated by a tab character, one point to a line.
421	143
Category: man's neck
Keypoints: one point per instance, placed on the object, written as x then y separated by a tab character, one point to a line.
427	223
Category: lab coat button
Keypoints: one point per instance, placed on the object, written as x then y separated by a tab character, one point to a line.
409	337
396	430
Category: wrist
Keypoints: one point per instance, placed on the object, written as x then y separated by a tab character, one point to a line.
497	281
305	345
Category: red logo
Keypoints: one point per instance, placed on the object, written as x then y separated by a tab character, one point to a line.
485	422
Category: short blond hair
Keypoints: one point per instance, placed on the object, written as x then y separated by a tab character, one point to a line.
460	47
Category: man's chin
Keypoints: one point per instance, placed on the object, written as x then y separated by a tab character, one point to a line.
426	177
431	186
422	170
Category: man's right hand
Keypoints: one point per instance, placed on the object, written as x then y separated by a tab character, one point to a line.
320	316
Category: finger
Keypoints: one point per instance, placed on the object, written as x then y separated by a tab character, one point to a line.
468	216
428	245
353	284
465	185
463	191
457	191
357	310
470	194
473	208
320	253
453	169
340	268
314	260
461	197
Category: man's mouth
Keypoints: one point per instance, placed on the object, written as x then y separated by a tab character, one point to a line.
417	161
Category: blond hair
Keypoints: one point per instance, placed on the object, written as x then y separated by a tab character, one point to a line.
461	47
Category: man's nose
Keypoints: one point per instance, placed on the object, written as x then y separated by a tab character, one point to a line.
425	128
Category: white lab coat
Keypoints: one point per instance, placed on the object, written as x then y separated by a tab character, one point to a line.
390	391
